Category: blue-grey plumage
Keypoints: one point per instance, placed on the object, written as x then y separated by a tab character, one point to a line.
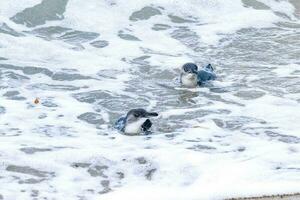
191	77
120	124
135	122
206	74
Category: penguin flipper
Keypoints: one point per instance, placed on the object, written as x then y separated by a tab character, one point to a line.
120	124
146	125
209	67
199	83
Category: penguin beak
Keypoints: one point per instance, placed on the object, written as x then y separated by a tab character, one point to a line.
194	71
152	114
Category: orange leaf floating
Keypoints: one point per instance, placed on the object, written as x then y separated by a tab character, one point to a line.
36	101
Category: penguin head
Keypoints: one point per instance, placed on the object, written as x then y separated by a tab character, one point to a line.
190	68
136	114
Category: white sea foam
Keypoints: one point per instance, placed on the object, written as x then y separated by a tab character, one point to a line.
237	136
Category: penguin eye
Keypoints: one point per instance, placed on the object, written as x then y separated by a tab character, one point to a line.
136	115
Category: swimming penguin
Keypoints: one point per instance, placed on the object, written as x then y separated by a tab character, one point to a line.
135	122
191	77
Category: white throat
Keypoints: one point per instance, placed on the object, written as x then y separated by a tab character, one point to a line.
134	128
189	80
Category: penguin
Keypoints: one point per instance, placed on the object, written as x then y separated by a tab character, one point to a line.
192	77
135	122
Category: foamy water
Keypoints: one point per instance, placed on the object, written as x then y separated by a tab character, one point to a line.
89	62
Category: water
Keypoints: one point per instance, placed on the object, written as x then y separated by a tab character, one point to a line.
90	62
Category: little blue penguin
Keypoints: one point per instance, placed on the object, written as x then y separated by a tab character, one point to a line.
135	122
191	77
